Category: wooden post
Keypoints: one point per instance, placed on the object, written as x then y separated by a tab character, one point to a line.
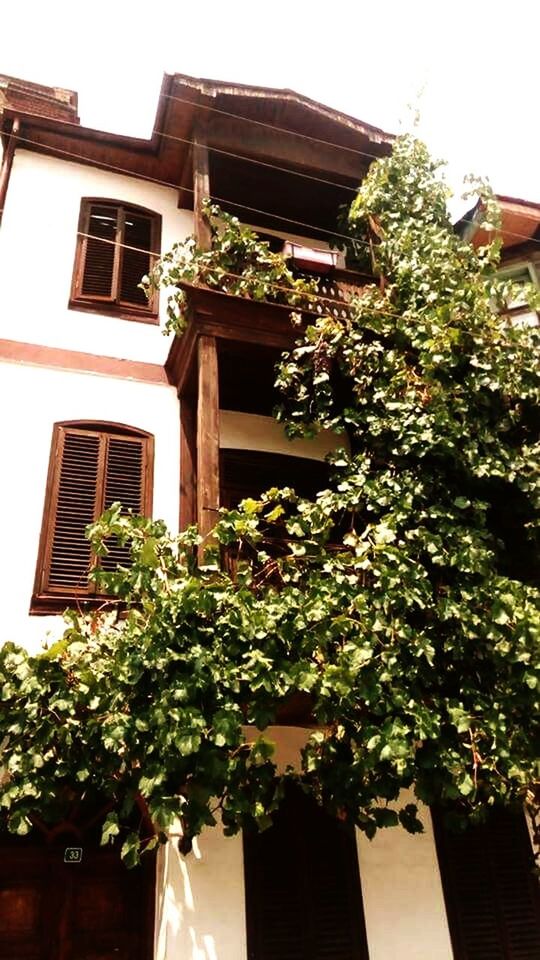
201	188
5	168
207	435
188	462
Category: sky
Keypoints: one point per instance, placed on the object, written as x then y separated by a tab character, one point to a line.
469	66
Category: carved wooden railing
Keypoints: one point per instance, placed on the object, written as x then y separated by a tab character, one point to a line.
337	289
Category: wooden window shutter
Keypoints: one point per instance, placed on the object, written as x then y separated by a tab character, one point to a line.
90	469
492	897
135	260
100	252
303	895
116	246
124	474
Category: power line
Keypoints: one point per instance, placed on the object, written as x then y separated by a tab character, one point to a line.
223	200
235	116
176	186
261	163
315	296
276	129
237	276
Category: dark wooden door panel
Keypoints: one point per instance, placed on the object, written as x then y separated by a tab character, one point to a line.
93	910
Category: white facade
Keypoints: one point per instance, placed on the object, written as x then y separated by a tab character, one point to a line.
33	399
200	900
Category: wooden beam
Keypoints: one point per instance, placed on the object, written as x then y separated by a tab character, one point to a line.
7	161
188	462
185	182
201	188
272	146
207	435
15	351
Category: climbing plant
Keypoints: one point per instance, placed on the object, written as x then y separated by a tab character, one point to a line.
402	603
238	262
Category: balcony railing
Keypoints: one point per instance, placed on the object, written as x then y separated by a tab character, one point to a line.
336	290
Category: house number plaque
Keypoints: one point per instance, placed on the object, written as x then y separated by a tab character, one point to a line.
73	855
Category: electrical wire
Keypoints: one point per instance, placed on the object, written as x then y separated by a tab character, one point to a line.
315	296
284	130
260	163
176	186
275	129
226	273
223	200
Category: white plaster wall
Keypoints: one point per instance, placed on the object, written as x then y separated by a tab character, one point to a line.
32	399
37	250
200	899
248	431
402	892
200	902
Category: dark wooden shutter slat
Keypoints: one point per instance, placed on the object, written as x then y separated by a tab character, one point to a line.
135	262
491	894
49	910
75	508
124	480
303	895
117	246
124	473
98	268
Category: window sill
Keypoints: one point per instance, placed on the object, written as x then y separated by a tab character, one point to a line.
48	604
113	310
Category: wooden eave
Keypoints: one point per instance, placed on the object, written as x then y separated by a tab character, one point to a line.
154	158
244	94
281	127
520	223
344	145
132	155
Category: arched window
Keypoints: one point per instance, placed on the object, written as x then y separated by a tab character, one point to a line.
117	245
303	895
92	465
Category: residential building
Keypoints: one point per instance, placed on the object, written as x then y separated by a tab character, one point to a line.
99	406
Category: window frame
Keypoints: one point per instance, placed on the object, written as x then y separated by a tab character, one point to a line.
508	271
47	599
112	305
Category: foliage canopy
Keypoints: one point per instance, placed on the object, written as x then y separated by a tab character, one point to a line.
403	601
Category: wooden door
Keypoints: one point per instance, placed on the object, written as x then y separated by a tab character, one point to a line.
92	910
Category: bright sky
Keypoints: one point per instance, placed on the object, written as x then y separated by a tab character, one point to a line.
470	66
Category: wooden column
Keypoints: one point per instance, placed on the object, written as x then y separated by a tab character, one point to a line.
188	462
5	169
207	435
201	187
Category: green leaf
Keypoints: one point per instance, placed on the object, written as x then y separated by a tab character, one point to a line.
110	829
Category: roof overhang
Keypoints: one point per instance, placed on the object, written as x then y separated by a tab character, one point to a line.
520	223
256	119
